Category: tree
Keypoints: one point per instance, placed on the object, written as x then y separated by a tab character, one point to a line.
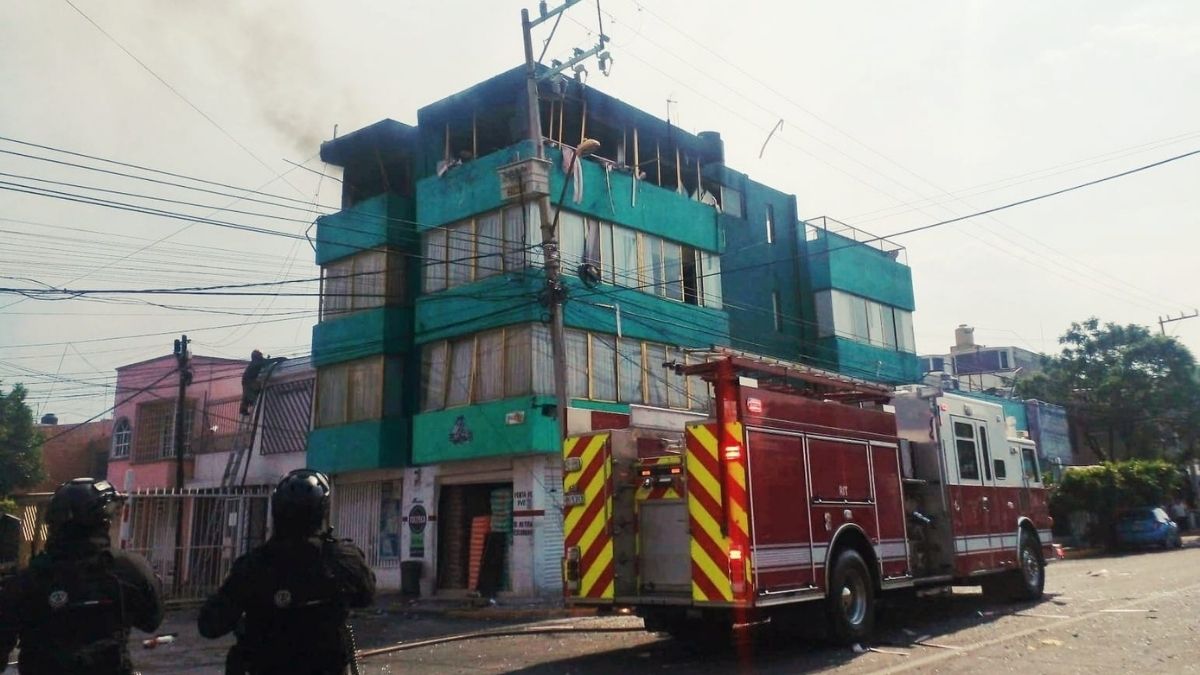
20	445
1128	392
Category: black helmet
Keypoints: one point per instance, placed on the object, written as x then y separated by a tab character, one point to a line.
83	504
300	502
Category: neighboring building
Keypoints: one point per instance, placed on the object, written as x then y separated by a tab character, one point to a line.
435	409
276	445
72	450
977	367
143	447
991	373
191	533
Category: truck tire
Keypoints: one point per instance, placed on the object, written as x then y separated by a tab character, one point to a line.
1029	580
850	600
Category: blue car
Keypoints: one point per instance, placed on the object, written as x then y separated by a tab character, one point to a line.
1138	528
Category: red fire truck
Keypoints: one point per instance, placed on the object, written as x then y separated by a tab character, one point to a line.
804	489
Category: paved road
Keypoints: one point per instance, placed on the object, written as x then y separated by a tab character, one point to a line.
1128	613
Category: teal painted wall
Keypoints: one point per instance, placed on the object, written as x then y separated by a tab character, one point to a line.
511	299
383	330
370	223
475	188
373	444
864	361
758	269
859	269
489	436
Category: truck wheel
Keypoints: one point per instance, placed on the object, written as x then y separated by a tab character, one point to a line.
850	600
1030	578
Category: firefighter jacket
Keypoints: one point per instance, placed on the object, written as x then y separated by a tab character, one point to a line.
71	611
289	600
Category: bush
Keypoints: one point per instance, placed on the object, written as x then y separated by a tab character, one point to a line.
1105	489
7	505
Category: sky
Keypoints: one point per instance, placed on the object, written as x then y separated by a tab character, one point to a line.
894	115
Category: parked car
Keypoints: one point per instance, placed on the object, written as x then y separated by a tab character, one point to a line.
1137	528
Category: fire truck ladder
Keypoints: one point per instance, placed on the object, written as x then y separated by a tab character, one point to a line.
243	438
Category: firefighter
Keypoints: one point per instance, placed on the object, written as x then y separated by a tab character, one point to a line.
288	599
71	610
250	384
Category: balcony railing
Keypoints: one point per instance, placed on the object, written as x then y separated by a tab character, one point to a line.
815	228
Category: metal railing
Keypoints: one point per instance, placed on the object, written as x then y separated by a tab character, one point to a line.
817	228
219	525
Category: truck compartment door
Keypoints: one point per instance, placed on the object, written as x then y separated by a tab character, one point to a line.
588	570
781	538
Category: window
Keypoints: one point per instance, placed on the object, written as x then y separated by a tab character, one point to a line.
629	370
435	260
625	257
731	202
968	459
462	356
350	392
775	312
489	362
1001	468
515	361
604	367
514	238
570	239
122	439
672	258
155	436
987	456
656	375
1030	462
710	280
844	315
285	417
433	375
488	245
460	254
577	363
361	281
1003	360
770	224
486	366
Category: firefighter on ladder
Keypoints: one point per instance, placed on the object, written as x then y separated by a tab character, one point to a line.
251	386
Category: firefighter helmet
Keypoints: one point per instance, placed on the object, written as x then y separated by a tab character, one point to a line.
84	504
300	502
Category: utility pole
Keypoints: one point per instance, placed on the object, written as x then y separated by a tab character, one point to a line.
182	361
1164	320
555	293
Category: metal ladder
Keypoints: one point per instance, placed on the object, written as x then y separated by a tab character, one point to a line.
243	439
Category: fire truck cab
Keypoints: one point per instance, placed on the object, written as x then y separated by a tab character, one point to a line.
801	490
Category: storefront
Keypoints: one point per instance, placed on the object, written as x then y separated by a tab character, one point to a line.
368	508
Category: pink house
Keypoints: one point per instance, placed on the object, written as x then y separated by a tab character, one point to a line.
143	454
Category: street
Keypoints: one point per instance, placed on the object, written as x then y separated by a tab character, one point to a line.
1119	613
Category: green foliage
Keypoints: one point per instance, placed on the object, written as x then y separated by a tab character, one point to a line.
7	505
1105	489
20	444
1129	393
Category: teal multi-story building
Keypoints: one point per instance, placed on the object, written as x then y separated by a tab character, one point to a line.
435	408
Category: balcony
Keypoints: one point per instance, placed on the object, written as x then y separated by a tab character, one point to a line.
361	446
848	259
608	194
385	219
381	330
